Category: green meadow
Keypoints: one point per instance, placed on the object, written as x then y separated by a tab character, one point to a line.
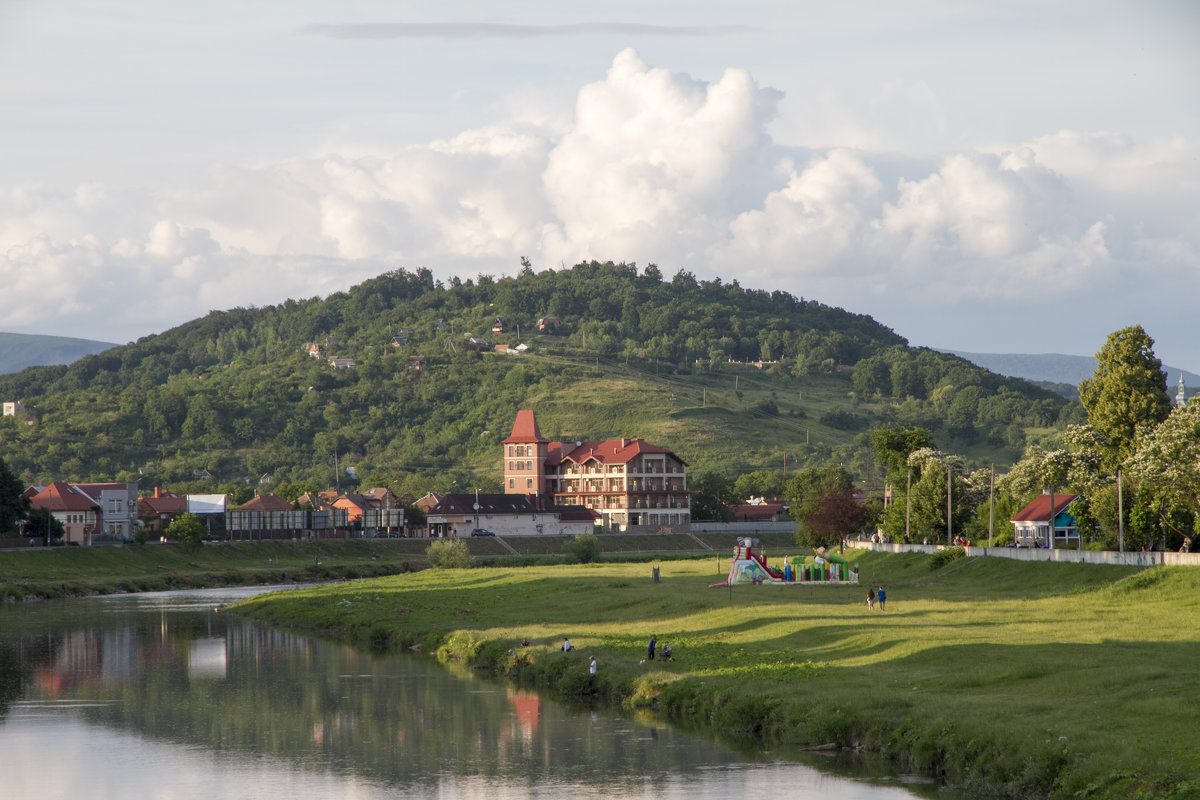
1004	678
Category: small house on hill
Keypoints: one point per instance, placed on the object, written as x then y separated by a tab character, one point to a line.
548	323
1046	523
499	326
477	344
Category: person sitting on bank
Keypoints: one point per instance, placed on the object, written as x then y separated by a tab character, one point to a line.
567	646
666	653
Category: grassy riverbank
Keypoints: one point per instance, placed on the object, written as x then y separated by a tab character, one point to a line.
79	571
1016	679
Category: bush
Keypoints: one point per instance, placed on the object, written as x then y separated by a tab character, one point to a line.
584	548
449	554
946	555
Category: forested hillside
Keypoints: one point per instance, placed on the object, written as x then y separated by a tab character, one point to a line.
238	395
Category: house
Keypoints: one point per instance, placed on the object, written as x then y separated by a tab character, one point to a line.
118	509
354	505
548	323
1031	525
79	514
202	475
757	509
478	345
416	362
342	363
629	482
399	341
507	515
499	326
428	502
13	409
157	511
316	350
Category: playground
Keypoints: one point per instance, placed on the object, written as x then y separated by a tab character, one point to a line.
749	566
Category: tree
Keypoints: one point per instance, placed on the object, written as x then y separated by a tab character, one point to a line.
1126	394
449	554
1167	467
893	445
14	505
822	501
712	491
187	529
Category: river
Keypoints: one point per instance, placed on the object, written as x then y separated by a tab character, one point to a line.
163	697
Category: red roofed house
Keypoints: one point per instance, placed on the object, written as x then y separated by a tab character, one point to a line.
79	514
1032	523
627	481
157	512
757	510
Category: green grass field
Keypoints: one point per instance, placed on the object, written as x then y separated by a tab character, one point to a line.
1007	678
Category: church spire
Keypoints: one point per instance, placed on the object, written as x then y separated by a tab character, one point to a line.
1180	399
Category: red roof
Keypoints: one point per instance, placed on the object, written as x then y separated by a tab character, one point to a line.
610	451
161	504
525	429
265	502
755	512
60	496
1039	509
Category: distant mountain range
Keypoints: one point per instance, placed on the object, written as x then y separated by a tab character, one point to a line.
20	350
1057	368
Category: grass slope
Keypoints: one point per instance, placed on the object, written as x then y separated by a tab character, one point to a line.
1007	678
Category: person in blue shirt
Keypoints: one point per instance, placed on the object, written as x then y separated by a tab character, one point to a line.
650	648
881	596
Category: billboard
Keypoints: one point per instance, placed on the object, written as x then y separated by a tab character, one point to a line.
206	503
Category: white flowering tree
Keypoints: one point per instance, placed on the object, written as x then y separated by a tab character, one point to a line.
1166	464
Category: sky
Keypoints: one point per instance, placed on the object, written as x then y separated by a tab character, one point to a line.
1000	177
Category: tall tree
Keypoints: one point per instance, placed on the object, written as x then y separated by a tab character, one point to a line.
14	505
1126	394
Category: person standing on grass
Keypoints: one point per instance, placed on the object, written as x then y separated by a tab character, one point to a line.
882	597
871	599
650	648
592	666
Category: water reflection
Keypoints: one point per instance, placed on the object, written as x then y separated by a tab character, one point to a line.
164	696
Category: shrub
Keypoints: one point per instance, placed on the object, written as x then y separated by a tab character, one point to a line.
946	555
449	554
584	548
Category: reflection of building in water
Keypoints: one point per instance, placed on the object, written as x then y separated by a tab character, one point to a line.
529	708
207	658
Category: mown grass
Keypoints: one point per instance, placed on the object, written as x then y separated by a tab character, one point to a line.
1007	678
73	571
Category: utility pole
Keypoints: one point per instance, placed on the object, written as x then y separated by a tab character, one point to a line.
949	472
1120	516
991	504
907	500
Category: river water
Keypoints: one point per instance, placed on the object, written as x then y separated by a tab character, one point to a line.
163	697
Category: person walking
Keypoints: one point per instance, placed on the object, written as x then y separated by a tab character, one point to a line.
870	599
882	597
650	648
592	666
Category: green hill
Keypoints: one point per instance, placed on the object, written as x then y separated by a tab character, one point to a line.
731	379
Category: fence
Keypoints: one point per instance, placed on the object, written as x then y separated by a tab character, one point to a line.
1127	559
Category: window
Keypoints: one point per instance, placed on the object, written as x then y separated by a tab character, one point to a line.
512	484
529	483
510	451
528	465
510	466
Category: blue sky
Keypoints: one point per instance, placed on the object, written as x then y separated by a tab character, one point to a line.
1017	177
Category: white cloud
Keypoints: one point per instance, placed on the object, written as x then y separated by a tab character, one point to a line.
652	166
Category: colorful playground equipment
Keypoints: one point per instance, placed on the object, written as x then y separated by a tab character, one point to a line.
821	567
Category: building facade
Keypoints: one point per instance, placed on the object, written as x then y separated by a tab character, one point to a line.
630	483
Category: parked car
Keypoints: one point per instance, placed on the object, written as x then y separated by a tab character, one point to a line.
482	532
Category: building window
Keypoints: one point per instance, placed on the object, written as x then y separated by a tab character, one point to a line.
510	451
529	465
512	484
529	483
510	466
